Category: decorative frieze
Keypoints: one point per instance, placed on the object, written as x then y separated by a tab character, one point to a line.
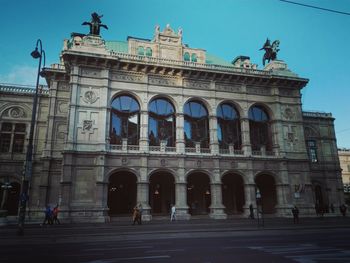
258	90
195	84
228	88
90	72
127	77
158	80
288	92
16	112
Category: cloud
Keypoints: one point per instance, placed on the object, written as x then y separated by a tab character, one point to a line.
21	74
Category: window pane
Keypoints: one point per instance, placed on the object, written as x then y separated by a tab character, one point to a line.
186	56
161	122
20	127
5	141
259	129
196	124
149	52
229	128
18	143
125	120
6	126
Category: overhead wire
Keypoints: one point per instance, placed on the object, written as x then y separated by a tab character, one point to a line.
316	7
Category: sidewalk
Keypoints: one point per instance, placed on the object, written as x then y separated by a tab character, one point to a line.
194	225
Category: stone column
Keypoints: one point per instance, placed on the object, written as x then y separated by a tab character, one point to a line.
181	192
245	132
180	138
216	207
250	198
143	190
282	207
181	201
214	144
143	199
144	131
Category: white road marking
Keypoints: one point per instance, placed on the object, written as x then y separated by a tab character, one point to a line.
165	250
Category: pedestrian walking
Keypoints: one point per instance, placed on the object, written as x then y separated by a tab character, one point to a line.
136	216
55	215
251	211
140	213
295	212
48	216
173	213
342	209
332	208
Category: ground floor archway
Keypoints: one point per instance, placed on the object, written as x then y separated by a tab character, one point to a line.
9	197
198	193
122	191
265	183
233	193
161	193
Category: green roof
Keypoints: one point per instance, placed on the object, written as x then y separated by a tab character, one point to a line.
122	47
214	60
118	46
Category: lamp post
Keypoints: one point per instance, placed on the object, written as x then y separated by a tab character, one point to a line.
258	204
28	170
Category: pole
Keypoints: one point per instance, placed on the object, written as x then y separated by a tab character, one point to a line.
28	170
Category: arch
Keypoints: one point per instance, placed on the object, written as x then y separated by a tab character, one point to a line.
198	193
140	51
161	192
194	57
266	185
148	52
229	126
233	193
166	97
321	202
125	120
9	197
187	56
122	191
260	128
196	124
161	122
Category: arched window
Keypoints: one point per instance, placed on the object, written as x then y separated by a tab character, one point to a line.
148	52
259	125
187	56
161	123
229	127
140	51
196	124
194	57
125	120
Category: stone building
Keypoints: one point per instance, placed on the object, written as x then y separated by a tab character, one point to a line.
155	122
344	158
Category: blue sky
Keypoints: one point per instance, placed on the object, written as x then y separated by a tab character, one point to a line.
315	44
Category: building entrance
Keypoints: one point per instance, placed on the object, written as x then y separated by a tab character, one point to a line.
198	193
267	187
233	193
11	198
121	193
161	193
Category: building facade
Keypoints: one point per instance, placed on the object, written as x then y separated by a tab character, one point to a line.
344	158
155	122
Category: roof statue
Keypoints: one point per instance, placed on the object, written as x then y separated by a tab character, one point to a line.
95	24
270	50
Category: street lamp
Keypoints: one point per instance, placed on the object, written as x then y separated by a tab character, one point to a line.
258	204
28	170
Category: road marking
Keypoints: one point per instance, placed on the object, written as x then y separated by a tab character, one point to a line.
141	258
116	248
165	250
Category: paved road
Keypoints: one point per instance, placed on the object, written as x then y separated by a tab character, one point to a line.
204	241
